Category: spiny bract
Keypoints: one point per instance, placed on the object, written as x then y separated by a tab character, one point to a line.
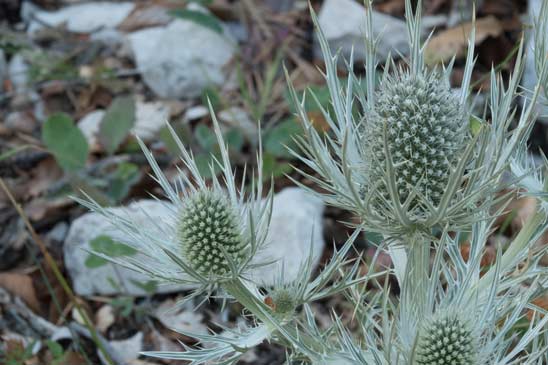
446	340
209	234
425	131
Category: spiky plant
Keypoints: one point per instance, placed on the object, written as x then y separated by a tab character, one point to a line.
410	159
212	233
418	123
209	241
409	165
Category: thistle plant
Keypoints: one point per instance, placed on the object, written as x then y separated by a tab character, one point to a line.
425	132
414	164
209	241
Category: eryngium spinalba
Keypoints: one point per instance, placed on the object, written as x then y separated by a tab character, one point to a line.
446	340
425	133
209	233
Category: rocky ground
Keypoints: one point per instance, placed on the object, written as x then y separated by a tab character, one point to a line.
80	80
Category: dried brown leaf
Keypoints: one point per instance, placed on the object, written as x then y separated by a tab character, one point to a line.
20	285
444	45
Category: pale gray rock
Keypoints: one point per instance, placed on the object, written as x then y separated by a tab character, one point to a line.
128	349
296	231
530	78
89	281
196	112
89	125
239	118
86	17
182	58
150	119
343	22
18	71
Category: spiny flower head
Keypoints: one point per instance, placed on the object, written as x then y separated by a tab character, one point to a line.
400	154
209	233
420	122
446	339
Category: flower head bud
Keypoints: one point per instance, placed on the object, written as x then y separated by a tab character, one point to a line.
282	301
209	234
447	339
424	128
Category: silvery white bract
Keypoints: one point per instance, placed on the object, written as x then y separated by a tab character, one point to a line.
210	241
456	311
213	232
409	158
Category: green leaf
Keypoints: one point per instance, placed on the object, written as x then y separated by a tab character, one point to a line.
274	168
280	136
183	132
55	349
94	261
125	176
211	95
198	17
475	125
203	162
206	137
107	246
234	139
117	122
149	287
65	141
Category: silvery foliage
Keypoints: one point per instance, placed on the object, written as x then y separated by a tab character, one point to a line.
541	45
210	240
451	309
162	246
378	163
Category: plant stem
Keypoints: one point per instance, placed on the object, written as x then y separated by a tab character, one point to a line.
314	348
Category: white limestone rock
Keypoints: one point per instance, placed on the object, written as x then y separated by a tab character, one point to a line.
182	58
343	21
86	17
296	225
